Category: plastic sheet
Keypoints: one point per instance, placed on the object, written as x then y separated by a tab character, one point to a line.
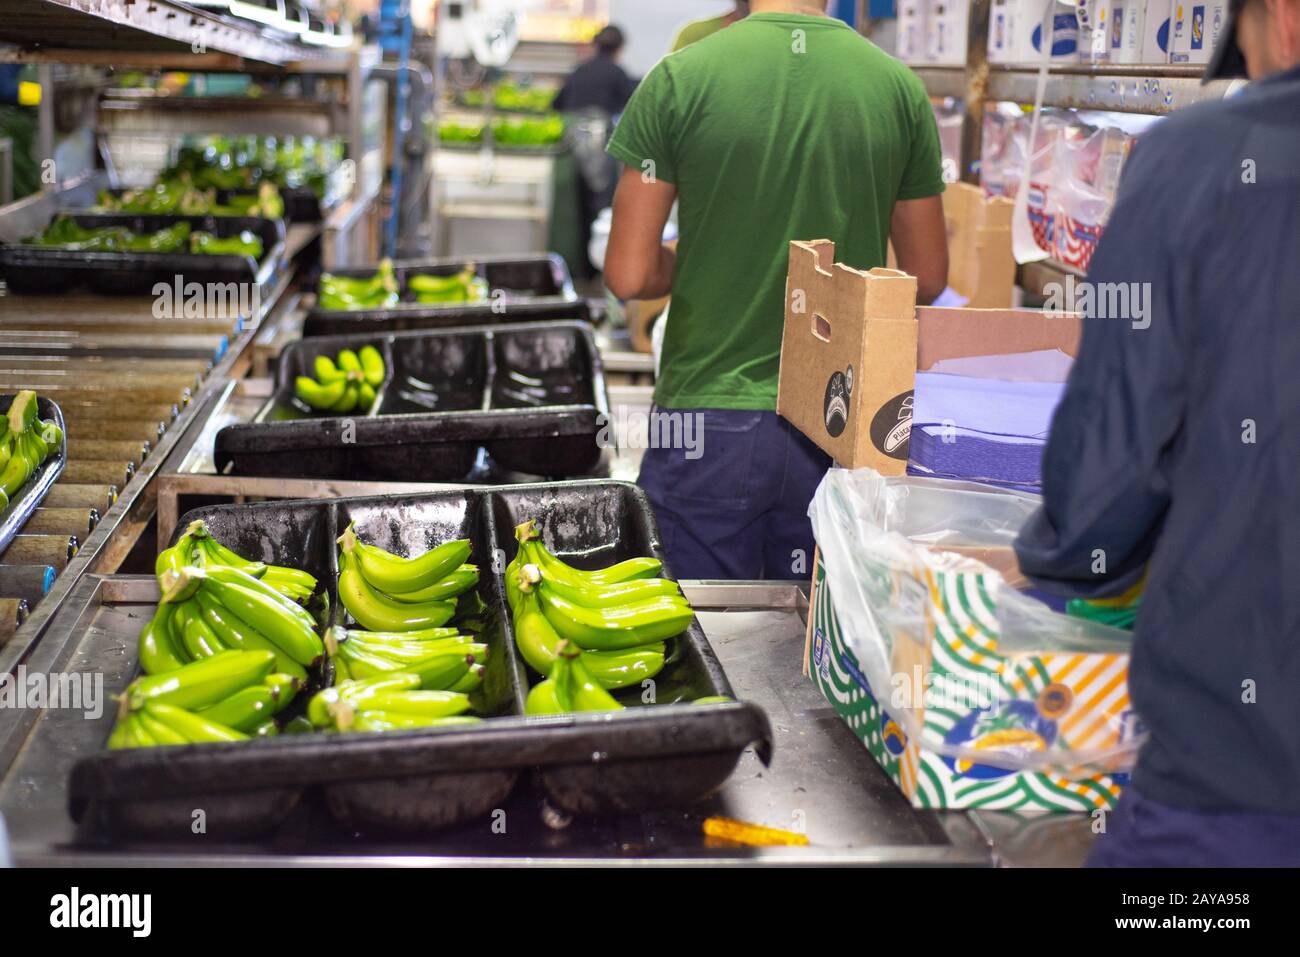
905	605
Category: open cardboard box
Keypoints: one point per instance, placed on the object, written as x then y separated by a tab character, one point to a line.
981	264
855	339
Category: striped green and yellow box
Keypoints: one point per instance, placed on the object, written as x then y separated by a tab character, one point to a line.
986	700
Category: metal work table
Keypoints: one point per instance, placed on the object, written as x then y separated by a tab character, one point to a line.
821	780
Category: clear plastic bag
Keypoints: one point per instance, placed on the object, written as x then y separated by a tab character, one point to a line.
1008	682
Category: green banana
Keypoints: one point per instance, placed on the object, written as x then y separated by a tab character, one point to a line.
543	698
204	682
234	576
284	688
244	710
326	371
288	633
267	729
383	721
372	365
281	577
192	727
17	470
597	596
575	686
365	396
117	738
198	639
453	584
22	411
234	633
156	651
341	670
51	435
140	736
6	452
442	674
394	575
641	567
423	634
318	395
470	682
348	402
159	732
612	629
376	612
348	361
425	704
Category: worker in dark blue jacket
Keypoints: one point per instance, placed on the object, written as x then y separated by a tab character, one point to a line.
1175	454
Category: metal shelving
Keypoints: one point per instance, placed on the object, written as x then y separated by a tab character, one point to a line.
116	31
1126	89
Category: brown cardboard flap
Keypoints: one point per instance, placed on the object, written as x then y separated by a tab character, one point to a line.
848	348
958	333
981	265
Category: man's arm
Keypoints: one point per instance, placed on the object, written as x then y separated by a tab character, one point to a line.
637	264
920	238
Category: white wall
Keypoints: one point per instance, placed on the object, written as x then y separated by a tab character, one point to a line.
650	26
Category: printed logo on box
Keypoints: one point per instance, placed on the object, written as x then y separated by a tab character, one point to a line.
1117	29
1198	28
835	407
1065	35
1016	726
892	736
891	429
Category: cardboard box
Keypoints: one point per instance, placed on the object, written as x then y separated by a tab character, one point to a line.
1001	41
1196	25
947	32
1155	31
1078	699
981	265
854	341
1126	30
912	45
1096	22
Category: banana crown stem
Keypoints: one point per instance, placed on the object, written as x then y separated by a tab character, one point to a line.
198	529
176	580
526	531
348	540
529	575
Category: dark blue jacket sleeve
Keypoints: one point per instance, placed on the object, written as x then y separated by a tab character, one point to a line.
1105	488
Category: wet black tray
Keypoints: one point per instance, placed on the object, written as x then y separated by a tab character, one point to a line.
40	270
514	281
29	497
531	396
646	758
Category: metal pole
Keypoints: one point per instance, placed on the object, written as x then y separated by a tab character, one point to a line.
45	128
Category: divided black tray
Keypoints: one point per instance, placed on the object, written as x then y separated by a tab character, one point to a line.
516	280
40	270
531	395
642	759
29	497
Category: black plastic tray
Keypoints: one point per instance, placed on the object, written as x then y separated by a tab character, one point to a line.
29	497
468	379
642	759
515	280
40	270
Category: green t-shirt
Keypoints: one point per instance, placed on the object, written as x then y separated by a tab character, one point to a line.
779	127
696	31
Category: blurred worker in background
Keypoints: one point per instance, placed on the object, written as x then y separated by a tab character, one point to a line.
786	125
595	92
1173	457
699	29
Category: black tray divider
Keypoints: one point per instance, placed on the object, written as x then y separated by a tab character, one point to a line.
490	378
387	346
485	505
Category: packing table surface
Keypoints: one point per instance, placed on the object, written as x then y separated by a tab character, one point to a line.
821	781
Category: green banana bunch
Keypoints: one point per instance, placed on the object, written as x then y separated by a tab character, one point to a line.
292	582
25	443
437	663
539	644
570	687
385	592
344	384
157	723
394	703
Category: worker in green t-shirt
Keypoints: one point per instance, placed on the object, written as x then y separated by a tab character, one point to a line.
699	29
786	125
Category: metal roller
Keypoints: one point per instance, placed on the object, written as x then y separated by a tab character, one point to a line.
67	494
62	521
80	447
53	550
98	472
13	612
144	429
29	582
